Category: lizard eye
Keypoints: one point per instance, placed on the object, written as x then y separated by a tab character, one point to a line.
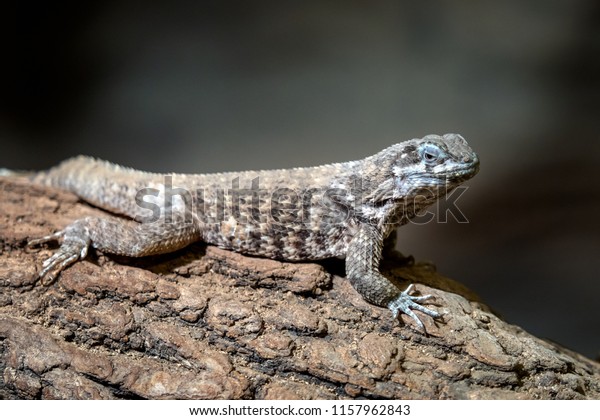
431	154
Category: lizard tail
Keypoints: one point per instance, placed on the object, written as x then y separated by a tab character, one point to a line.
10	173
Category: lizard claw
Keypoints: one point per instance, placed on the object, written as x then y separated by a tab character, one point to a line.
75	243
405	303
48	238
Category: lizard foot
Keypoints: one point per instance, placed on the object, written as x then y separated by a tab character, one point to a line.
405	303
75	243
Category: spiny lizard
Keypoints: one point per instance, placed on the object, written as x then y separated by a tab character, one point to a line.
342	210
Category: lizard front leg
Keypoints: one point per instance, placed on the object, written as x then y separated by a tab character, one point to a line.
116	236
362	269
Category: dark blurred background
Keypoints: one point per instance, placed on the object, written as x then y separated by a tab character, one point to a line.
202	86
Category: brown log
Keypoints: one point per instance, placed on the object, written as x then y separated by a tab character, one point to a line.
208	323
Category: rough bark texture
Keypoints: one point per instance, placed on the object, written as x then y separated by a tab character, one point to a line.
208	323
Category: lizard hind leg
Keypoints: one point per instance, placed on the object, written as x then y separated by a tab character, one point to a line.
75	243
115	235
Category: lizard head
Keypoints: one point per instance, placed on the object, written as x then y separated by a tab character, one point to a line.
433	163
428	167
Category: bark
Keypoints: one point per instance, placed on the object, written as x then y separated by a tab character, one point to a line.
208	323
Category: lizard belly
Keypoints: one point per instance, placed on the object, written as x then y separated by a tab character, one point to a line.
284	242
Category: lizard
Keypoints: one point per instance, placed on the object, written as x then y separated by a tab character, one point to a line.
345	210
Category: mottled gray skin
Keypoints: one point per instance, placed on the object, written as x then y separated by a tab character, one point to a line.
342	210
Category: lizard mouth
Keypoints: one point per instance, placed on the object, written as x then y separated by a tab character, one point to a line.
463	173
435	183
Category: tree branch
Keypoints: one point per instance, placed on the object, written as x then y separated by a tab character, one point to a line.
208	323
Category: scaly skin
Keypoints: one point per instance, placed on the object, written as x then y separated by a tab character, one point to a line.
342	210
